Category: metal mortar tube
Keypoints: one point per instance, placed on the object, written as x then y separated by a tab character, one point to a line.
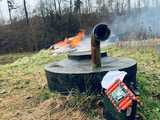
101	32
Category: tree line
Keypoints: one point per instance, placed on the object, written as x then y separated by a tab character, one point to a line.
53	20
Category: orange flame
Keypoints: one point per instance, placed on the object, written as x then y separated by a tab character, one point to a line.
75	41
72	42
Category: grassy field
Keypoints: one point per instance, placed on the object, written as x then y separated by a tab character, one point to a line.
24	94
9	58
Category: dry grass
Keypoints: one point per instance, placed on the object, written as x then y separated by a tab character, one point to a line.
24	94
136	44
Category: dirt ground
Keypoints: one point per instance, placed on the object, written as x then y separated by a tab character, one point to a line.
24	94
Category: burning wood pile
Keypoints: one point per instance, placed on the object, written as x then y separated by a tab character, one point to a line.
68	44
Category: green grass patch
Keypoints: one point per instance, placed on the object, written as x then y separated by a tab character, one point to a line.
10	58
26	75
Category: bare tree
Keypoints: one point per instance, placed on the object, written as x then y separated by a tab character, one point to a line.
139	5
1	16
77	6
90	6
99	3
129	7
59	6
55	5
71	6
117	7
26	11
110	5
11	6
2	21
42	10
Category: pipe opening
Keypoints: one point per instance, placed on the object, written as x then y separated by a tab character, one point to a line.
101	32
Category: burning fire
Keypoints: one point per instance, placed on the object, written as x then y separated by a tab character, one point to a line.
71	42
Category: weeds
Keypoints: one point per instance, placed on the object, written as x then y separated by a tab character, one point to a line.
24	81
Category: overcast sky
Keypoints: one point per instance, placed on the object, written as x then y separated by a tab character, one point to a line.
31	4
4	8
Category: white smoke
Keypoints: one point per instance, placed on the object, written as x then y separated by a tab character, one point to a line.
146	22
85	44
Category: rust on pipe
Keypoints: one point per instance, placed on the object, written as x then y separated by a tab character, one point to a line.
101	32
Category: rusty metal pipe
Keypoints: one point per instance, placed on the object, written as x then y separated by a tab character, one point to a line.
101	32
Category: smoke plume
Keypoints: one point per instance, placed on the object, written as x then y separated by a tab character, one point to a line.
141	25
